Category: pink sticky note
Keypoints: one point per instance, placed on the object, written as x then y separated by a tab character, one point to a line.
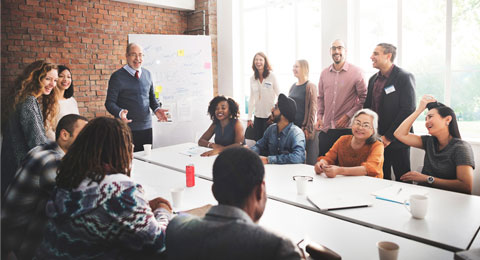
207	65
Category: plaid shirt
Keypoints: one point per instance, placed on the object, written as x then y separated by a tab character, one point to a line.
23	207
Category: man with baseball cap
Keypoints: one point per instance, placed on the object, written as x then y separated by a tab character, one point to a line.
283	142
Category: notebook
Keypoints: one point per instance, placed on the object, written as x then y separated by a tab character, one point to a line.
340	201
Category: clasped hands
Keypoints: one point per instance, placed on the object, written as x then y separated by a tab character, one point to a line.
330	170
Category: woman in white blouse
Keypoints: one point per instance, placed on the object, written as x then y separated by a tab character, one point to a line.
66	103
263	94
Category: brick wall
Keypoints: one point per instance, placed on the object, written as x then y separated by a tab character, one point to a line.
88	36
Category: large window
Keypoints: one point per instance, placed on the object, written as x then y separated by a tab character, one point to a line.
285	31
437	41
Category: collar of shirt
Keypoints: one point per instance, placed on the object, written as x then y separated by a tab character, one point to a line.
387	75
286	129
345	67
132	70
228	212
60	150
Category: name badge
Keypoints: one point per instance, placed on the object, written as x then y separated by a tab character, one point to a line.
268	84
389	89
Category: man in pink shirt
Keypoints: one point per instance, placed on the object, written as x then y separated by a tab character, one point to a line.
341	93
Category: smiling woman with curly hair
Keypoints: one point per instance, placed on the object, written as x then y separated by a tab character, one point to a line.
227	128
24	122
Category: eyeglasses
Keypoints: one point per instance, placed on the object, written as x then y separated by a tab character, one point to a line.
333	48
136	55
364	125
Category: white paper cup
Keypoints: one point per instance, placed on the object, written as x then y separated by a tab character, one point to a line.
418	205
147	149
302	184
177	196
387	250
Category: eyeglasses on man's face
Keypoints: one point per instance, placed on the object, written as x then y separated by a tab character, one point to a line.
333	48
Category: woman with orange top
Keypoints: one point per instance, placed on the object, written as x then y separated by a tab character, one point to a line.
357	154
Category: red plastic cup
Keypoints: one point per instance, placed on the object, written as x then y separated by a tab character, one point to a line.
190	171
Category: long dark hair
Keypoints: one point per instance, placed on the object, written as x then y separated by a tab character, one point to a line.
103	147
266	68
445	111
68	92
232	107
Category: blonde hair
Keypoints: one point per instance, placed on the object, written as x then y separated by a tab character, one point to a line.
304	68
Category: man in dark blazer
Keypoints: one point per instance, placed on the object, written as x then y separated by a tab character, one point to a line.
391	94
229	230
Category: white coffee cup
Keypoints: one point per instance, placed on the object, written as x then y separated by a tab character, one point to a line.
417	205
147	148
387	250
302	184
177	196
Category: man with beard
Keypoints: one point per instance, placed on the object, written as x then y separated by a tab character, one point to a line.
341	93
283	142
391	93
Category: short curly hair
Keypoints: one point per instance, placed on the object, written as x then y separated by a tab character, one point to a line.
232	107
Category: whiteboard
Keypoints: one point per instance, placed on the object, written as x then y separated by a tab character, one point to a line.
181	67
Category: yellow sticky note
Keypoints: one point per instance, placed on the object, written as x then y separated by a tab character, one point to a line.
157	94
158	89
181	53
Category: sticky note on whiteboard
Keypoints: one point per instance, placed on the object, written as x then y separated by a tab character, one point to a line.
181	53
207	65
158	89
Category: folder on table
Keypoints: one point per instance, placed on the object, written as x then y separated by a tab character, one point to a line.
340	201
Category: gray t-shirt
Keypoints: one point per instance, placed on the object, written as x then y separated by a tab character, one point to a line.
443	164
298	93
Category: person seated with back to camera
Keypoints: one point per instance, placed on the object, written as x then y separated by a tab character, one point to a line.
448	162
229	230
357	154
227	128
283	142
97	211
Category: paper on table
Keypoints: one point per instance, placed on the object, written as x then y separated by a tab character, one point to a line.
398	193
344	200
195	151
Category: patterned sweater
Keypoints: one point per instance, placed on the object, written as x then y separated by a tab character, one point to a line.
106	220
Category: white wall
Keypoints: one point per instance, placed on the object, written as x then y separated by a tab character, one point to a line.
334	26
226	33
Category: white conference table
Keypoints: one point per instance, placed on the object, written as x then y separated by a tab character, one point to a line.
451	223
173	157
349	240
452	219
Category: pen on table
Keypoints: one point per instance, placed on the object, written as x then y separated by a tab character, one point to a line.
399	190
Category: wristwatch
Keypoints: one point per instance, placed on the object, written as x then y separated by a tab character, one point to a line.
430	180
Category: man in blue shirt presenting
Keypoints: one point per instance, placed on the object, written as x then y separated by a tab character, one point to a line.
282	142
130	92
